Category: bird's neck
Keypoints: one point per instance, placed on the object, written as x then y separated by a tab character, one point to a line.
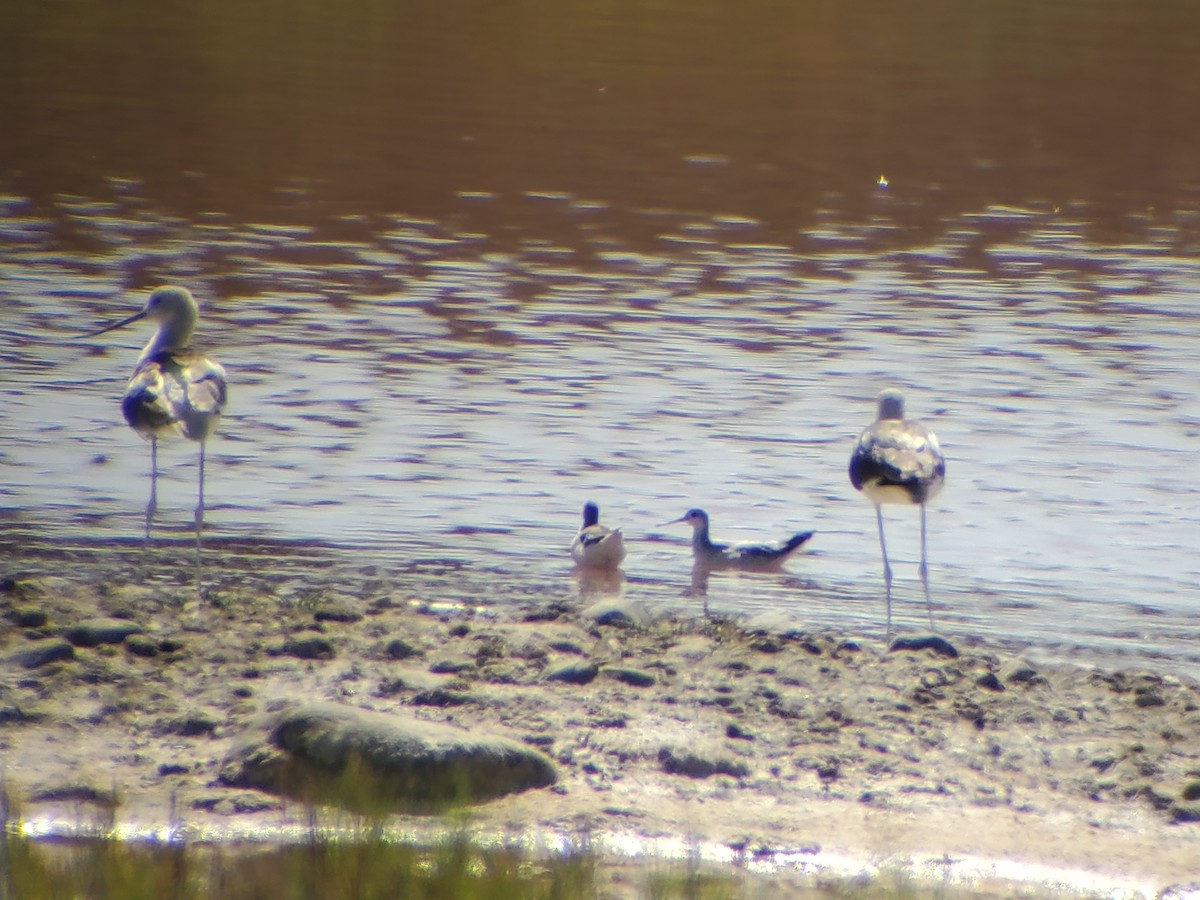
170	337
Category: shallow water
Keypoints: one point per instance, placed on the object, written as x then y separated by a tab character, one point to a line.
466	273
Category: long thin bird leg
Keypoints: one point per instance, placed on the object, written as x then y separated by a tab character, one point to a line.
887	569
924	571
152	504
199	524
199	518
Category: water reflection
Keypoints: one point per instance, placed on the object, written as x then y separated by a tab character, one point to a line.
468	267
596	584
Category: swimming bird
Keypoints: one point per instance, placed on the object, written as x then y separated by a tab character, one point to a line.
898	460
744	556
174	389
595	546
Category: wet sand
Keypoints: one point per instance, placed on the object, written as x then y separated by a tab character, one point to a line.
123	693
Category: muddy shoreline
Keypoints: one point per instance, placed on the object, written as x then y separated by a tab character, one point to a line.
124	692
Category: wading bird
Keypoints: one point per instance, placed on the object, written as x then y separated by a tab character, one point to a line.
595	546
745	556
898	460
174	389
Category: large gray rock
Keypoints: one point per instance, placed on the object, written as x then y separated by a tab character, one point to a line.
377	763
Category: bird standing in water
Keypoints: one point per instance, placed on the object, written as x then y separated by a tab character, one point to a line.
595	546
898	460
174	389
745	556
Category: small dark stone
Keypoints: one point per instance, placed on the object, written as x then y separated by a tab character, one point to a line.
1020	672
737	733
489	650
170	645
631	677
617	721
574	673
936	643
77	793
1191	791
43	653
766	645
141	646
250	802
100	631
829	770
615	618
1181	813
546	614
401	649
615	612
695	766
449	667
172	769
1148	698
934	678
14	715
29	617
309	648
194	726
460	630
439	697
989	682
389	687
337	614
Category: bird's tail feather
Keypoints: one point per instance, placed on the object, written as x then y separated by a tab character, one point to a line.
796	540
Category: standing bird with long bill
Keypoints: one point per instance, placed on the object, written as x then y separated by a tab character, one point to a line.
710	555
174	389
898	460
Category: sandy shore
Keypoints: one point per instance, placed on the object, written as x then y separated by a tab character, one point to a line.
123	687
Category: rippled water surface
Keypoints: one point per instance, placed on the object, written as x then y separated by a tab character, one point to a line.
466	273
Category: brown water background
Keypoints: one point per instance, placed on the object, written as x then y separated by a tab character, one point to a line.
469	264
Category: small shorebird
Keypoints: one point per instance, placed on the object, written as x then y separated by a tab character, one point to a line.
597	547
744	556
898	460
174	389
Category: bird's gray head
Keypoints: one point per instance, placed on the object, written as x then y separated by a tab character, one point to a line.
697	518
171	304
172	307
891	404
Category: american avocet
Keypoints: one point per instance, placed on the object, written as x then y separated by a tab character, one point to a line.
174	389
745	556
898	460
597	547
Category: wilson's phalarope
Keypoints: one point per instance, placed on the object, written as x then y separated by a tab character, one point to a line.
174	389
898	460
595	546
745	556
